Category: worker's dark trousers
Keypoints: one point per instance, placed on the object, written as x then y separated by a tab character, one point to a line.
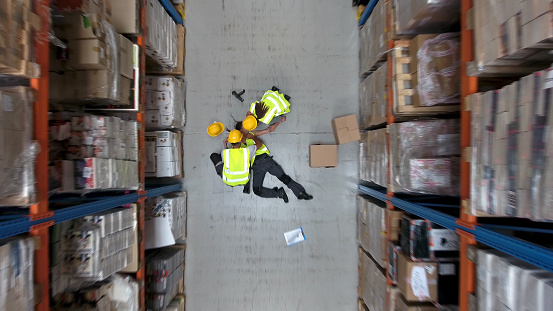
264	164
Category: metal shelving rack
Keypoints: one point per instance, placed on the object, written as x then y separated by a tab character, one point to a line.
40	217
466	225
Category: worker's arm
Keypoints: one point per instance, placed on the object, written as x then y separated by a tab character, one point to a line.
256	140
269	129
225	143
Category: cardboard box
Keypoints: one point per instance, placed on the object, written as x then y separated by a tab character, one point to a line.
393	253
125	57
133	266
124	90
87	54
346	129
403	305
394	228
414	46
82	26
126	16
323	155
417	281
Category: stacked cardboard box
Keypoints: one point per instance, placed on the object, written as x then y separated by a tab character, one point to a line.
513	33
96	246
424	240
373	161
164	270
171	207
161	35
118	293
511	149
152	67
435	69
98	65
372	41
17	160
93	152
372	283
372	229
373	98
16	273
165	102
164	154
17	29
508	283
413	17
126	16
425	156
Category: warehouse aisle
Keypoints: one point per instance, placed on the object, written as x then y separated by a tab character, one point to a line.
237	258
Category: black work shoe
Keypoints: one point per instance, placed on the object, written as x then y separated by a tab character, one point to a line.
287	97
246	189
304	196
275	89
282	194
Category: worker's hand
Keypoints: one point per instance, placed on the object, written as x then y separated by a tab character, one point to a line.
225	142
282	119
272	127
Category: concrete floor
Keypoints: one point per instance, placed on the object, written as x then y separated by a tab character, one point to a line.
237	258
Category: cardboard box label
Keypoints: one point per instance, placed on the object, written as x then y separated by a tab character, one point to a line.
419	282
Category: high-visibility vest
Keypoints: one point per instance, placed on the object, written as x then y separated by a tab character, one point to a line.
262	150
236	166
277	104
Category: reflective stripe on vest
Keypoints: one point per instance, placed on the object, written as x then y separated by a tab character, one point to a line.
262	150
277	104
237	168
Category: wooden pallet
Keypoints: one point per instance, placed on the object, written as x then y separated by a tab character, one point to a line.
402	85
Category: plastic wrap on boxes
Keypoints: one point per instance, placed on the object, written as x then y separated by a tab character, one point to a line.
16	274
172	207
373	98
372	40
164	270
374	157
17	32
439	70
161	36
422	153
414	17
507	282
165	102
17	162
372	283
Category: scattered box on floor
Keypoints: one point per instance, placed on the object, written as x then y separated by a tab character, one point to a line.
417	281
323	155
346	129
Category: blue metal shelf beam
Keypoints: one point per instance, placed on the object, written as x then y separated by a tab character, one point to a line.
23	224
368	10
527	251
172	11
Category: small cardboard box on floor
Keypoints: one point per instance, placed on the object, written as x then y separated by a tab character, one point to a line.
346	129
323	155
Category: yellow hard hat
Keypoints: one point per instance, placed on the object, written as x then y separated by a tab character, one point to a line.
249	123
234	136
215	129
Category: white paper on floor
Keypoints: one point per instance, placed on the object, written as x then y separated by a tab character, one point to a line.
294	236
